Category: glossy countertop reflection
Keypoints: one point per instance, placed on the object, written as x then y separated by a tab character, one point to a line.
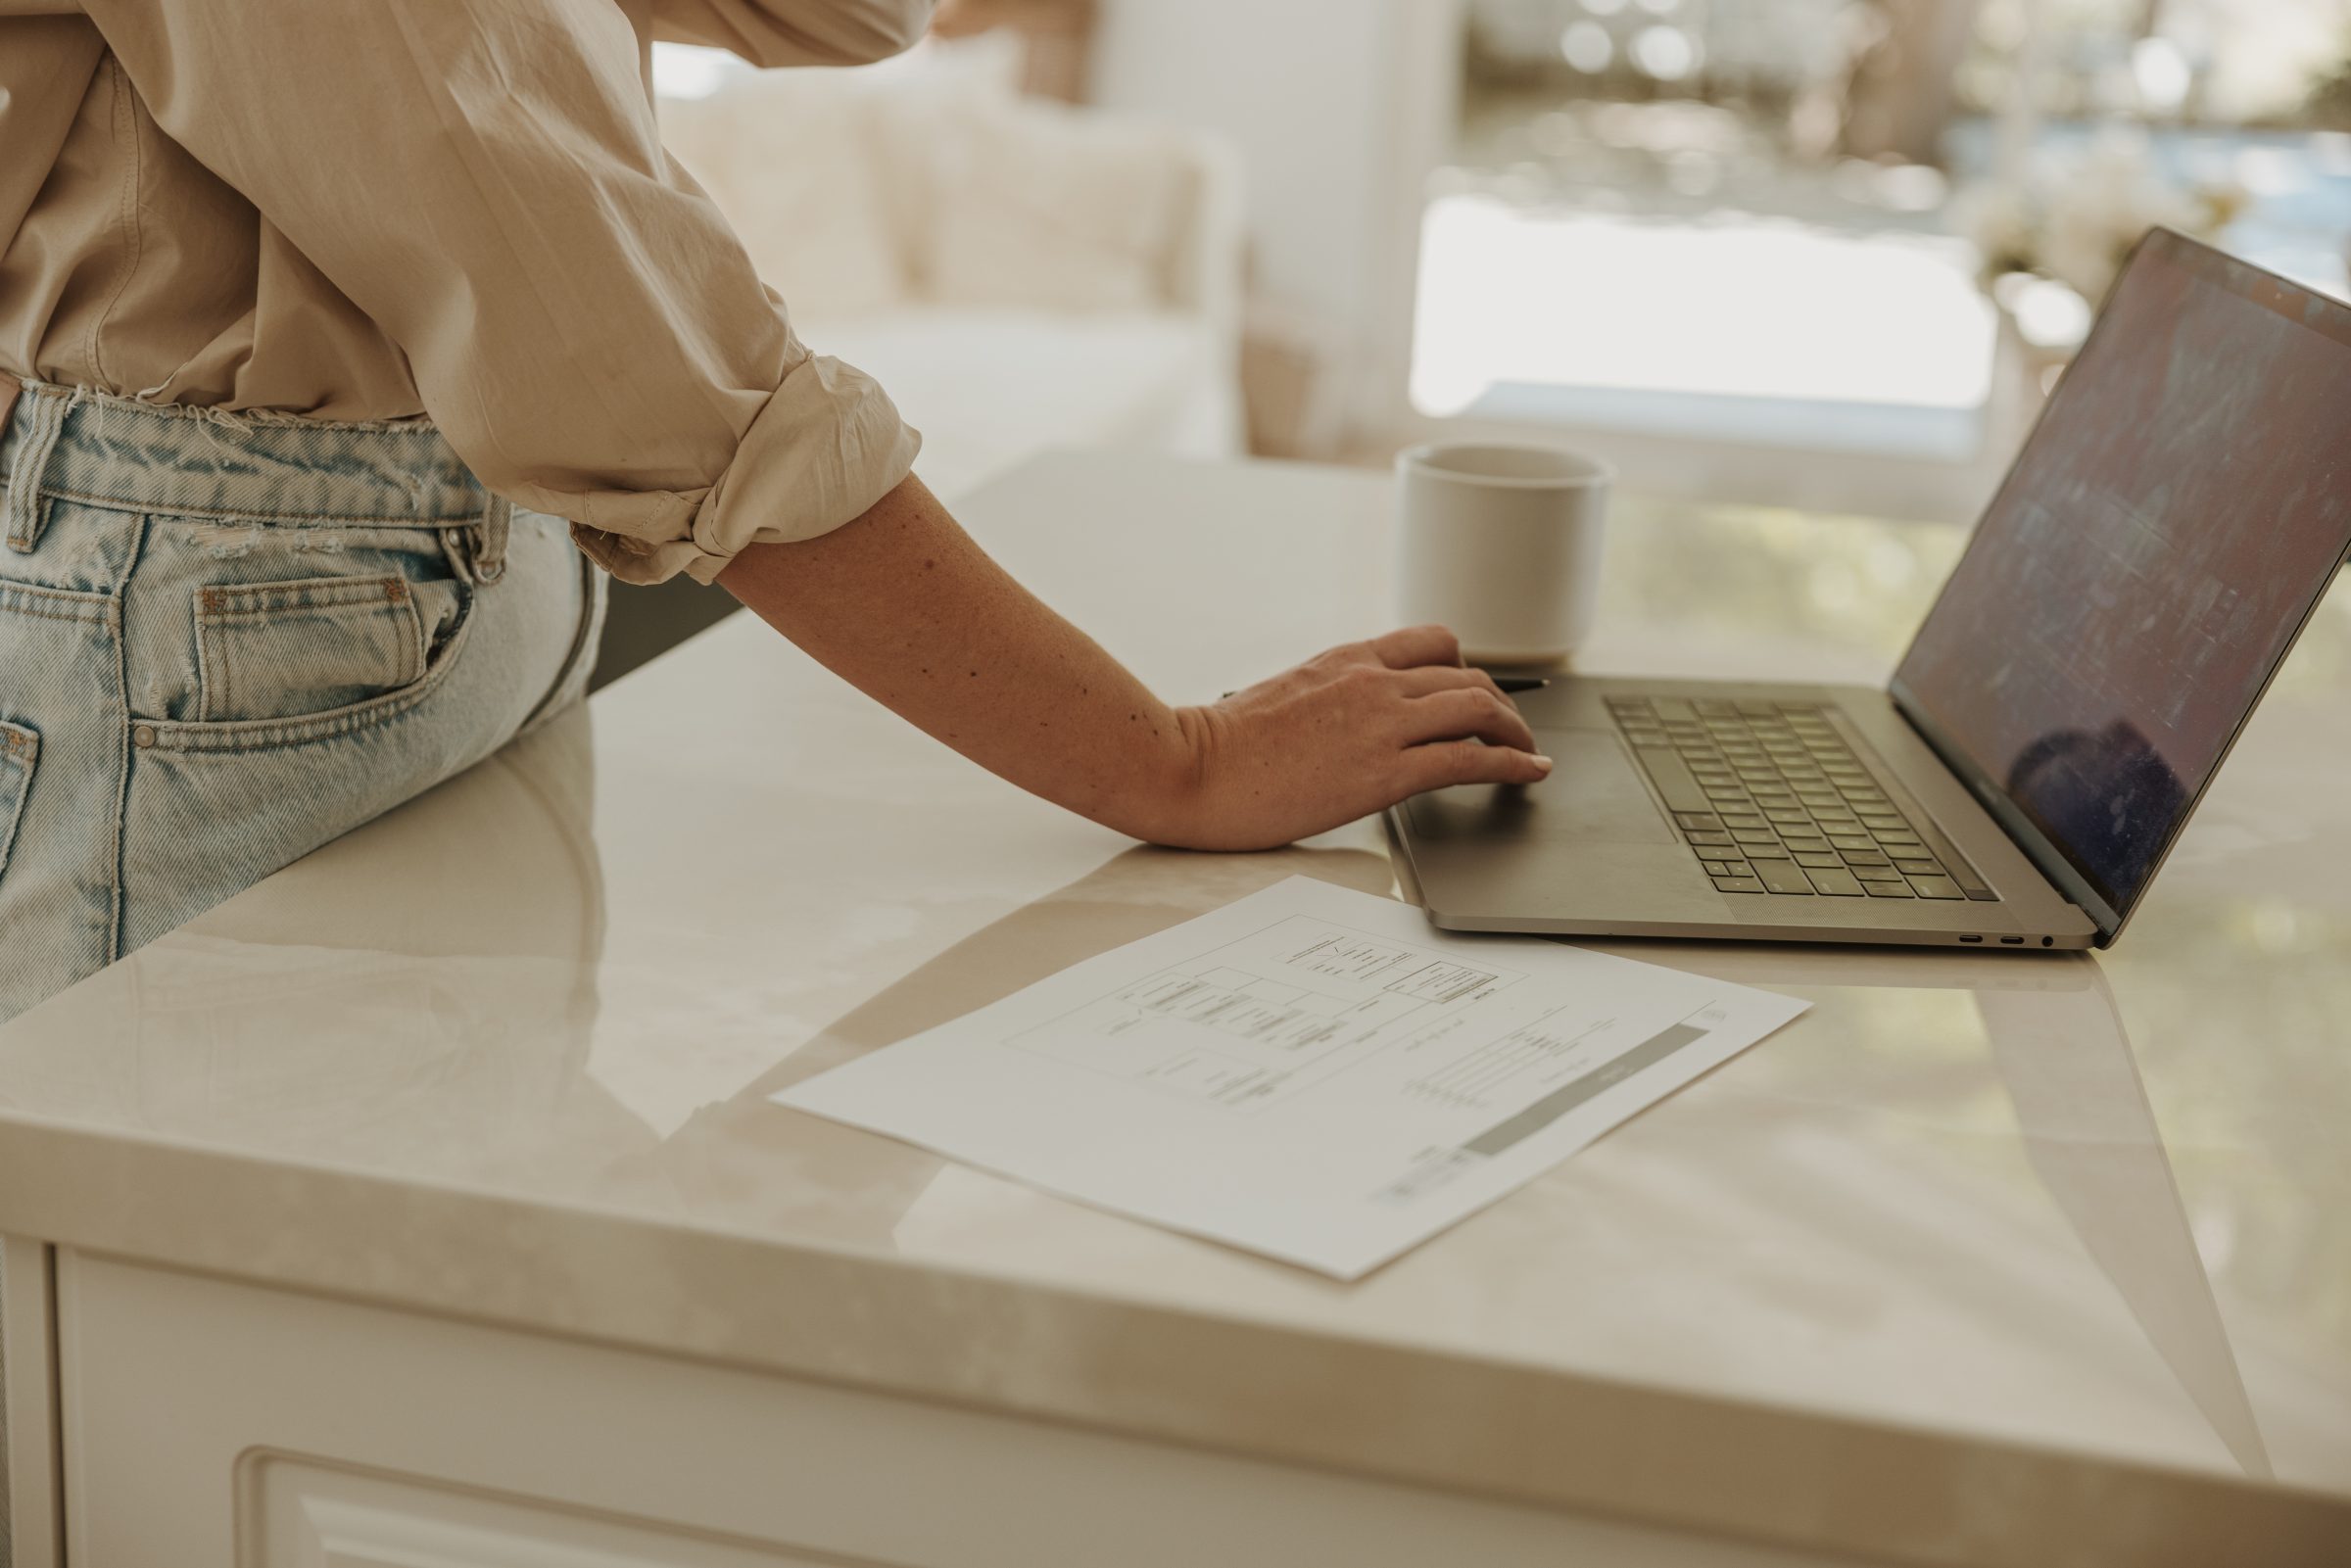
1984	1253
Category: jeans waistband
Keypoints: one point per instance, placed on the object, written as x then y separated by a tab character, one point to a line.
72	443
274	469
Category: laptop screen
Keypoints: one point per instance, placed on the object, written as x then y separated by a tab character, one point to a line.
2168	528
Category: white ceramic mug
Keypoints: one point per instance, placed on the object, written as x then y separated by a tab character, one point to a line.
1501	543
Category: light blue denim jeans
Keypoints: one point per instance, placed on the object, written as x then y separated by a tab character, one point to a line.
224	640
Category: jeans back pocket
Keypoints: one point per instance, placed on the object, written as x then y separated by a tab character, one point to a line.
279	650
20	749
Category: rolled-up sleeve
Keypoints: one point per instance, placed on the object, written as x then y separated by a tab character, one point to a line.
797	32
483	179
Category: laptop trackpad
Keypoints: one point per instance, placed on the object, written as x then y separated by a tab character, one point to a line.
1594	794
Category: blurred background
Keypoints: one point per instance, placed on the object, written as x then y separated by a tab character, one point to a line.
1875	228
1827	254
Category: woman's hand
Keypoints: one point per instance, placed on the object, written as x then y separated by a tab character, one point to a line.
1346	733
900	604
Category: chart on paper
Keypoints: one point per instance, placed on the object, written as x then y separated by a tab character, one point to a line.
1310	1072
1266	1016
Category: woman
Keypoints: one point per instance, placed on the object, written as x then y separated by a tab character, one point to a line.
329	327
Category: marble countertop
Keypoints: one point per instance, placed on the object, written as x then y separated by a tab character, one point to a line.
1986	1257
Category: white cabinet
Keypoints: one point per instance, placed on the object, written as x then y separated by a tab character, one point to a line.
209	1424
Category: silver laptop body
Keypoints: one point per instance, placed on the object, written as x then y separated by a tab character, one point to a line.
2170	525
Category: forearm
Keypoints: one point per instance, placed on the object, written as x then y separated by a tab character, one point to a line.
904	606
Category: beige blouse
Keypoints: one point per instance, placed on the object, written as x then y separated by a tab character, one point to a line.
378	209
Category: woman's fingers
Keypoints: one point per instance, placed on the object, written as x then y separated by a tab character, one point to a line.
1467	711
1428	678
1416	645
1443	763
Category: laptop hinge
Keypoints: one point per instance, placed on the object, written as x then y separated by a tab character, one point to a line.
2030	840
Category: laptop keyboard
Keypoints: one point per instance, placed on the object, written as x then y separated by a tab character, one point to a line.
1773	800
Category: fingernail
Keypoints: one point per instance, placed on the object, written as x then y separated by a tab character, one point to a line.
1543	762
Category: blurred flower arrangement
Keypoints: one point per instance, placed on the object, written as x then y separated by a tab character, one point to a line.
2074	222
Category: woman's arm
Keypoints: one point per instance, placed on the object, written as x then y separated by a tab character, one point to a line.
903	606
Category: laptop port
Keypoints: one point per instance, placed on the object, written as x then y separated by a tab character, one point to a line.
1971	939
2012	941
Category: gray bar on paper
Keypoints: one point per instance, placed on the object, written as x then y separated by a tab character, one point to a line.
1556	1104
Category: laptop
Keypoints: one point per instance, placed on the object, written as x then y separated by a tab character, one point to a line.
2178	514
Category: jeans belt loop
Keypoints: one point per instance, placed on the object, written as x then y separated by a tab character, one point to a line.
489	539
23	512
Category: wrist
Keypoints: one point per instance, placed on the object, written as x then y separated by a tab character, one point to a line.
1173	805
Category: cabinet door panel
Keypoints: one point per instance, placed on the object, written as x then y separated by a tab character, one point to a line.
305	1515
209	1424
32	1535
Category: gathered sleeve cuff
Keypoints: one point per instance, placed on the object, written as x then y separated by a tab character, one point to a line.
797	32
822	450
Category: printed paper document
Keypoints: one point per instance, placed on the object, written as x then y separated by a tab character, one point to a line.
1310	1072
